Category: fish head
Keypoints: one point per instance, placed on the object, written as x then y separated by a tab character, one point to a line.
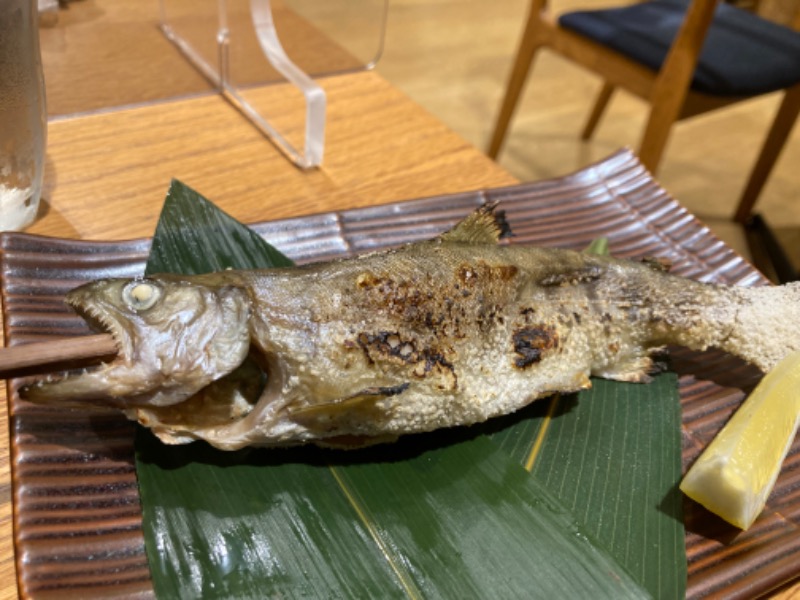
174	336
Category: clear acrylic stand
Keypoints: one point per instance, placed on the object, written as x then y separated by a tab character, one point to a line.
235	45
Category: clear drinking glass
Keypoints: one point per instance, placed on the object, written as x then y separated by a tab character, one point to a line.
23	117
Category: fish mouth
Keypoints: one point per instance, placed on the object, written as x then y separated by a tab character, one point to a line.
102	322
82	386
224	404
117	381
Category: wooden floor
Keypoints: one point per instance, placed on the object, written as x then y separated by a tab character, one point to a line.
453	57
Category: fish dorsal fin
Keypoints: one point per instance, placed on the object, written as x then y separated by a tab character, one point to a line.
483	226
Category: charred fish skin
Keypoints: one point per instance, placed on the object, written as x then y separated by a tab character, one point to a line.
452	331
444	338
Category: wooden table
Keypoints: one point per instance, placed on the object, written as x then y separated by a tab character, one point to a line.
119	131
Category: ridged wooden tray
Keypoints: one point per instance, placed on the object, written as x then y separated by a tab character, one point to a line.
77	517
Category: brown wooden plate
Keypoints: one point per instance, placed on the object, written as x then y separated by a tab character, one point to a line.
77	516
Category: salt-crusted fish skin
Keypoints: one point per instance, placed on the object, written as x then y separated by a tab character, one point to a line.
451	331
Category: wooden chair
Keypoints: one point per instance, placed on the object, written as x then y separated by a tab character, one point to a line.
683	58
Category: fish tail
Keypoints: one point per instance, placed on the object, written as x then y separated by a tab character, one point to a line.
766	325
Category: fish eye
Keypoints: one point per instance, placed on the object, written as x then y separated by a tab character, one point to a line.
141	295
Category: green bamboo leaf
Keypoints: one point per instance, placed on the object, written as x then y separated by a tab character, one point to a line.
188	226
441	515
598	246
414	521
612	455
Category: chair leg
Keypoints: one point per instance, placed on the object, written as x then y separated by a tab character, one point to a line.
597	111
656	133
773	145
519	73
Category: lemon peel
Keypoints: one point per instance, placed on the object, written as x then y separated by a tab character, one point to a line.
736	472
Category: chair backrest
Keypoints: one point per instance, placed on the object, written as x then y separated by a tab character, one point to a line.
675	77
683	57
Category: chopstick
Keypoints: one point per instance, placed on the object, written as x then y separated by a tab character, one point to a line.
41	357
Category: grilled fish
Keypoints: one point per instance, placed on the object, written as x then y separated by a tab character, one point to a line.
450	331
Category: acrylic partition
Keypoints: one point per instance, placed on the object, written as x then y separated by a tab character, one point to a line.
240	45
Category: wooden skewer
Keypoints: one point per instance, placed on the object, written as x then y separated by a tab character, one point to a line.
41	357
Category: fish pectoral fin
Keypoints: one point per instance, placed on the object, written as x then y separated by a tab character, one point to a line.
582	381
635	369
361	404
483	226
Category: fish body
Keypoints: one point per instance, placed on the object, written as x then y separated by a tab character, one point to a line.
451	331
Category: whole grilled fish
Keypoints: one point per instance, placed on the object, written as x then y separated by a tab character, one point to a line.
450	331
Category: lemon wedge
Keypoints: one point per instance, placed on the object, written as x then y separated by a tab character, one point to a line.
736	472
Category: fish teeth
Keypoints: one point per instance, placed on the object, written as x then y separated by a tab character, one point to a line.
108	324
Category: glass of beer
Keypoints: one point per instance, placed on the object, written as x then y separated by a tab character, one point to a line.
23	117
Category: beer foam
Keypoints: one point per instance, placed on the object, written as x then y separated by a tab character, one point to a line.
17	208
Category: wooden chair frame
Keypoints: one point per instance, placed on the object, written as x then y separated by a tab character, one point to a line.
667	91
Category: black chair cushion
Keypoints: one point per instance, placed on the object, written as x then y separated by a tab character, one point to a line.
743	55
